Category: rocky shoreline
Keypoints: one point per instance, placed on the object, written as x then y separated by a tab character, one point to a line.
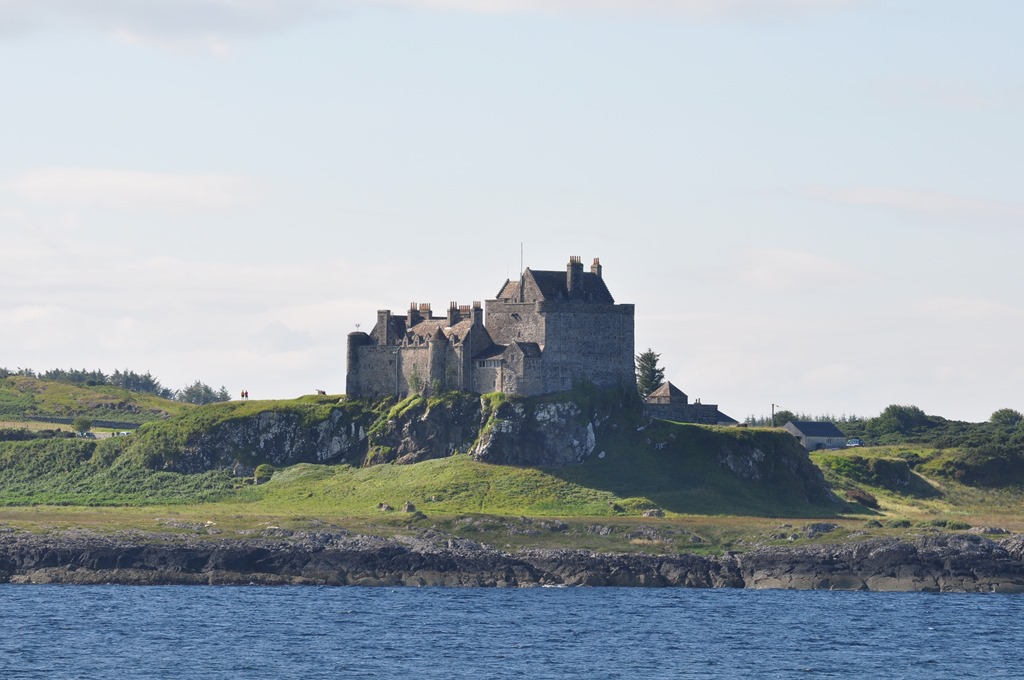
938	563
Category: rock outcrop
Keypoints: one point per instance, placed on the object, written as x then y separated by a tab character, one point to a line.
960	563
278	437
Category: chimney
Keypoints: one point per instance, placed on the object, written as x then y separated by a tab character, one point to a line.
453	313
382	331
574	274
478	313
596	267
414	314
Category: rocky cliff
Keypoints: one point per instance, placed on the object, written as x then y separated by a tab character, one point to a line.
547	432
947	563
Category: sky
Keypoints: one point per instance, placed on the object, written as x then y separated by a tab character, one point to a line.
812	203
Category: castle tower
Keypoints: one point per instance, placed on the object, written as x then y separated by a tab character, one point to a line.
356	340
438	344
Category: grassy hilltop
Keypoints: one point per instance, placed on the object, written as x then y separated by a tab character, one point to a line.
699	478
25	399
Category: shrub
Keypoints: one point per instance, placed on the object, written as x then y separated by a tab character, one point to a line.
863	497
898	523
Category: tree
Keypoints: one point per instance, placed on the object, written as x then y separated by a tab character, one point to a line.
782	417
1006	417
81	424
899	419
201	393
649	376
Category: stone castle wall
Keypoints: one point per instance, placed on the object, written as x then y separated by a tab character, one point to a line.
592	342
508	322
704	414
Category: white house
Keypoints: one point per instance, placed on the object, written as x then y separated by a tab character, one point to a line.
814	436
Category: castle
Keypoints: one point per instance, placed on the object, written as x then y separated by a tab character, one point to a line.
544	333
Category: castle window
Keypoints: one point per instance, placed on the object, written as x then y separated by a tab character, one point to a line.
515	315
489	363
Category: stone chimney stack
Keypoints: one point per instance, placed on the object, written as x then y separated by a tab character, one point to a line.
414	315
574	274
382	331
596	267
453	313
478	313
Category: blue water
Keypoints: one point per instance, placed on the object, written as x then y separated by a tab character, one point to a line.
305	632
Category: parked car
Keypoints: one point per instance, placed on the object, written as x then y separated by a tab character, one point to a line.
854	442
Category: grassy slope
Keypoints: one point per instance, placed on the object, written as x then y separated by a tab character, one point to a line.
24	399
682	478
928	496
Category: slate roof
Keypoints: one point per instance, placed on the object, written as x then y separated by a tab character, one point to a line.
554	287
815	429
726	420
669	390
490	352
530	350
426	329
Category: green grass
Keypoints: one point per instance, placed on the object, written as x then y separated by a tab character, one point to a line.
87	473
676	468
155	444
24	399
929	496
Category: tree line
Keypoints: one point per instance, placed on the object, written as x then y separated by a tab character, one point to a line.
196	393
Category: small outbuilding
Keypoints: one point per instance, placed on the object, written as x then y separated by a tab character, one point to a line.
668	402
814	436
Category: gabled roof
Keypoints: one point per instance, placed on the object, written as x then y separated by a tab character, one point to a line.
490	352
726	420
530	350
553	286
669	390
809	428
425	330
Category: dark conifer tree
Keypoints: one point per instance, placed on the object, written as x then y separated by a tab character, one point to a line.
649	376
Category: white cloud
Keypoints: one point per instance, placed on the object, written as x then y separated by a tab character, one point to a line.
689	7
130	190
775	271
212	25
963	308
210	22
946	93
931	204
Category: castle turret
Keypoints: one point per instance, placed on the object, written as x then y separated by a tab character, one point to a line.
596	267
438	344
574	274
356	340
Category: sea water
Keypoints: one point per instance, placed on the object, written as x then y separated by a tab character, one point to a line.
306	632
